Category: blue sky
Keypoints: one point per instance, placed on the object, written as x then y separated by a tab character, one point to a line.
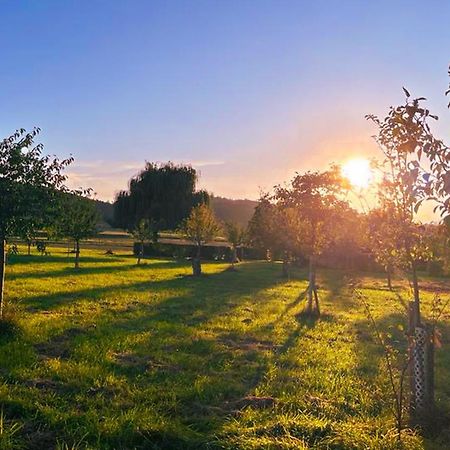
249	92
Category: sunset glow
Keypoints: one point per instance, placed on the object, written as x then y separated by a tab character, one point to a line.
358	172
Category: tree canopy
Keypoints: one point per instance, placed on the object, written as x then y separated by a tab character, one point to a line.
29	184
165	193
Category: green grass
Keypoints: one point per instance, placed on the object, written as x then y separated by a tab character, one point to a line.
116	356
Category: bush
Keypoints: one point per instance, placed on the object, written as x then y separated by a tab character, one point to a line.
209	252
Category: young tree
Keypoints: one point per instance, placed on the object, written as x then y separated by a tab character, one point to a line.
267	231
415	169
409	148
28	184
315	203
78	220
200	227
235	236
28	234
145	231
261	227
381	240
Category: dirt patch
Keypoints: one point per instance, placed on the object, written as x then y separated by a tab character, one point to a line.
102	391
249	344
58	346
235	407
37	439
128	360
46	384
251	401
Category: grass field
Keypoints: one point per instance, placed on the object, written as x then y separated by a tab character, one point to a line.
116	356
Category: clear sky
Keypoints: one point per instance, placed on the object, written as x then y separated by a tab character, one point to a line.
248	91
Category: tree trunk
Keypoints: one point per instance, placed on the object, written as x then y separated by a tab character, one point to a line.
77	254
312	305
2	273
285	267
29	248
196	263
141	253
234	256
389	278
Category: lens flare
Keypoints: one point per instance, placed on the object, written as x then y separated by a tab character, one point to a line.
358	172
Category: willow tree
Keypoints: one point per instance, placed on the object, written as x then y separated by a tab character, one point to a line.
314	202
165	192
28	184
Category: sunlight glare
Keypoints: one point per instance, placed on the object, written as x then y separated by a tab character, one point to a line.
358	172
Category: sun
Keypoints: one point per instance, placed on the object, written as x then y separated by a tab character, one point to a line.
358	172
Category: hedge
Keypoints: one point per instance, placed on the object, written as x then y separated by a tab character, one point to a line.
209	252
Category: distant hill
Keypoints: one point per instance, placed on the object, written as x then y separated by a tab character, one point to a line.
238	211
106	212
225	209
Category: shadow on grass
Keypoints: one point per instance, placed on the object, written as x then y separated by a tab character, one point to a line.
90	270
60	258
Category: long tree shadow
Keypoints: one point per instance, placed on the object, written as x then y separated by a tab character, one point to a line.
91	270
61	257
220	283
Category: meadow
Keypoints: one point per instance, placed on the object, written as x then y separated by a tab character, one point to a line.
120	356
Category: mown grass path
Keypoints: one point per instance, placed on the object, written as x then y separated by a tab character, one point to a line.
119	356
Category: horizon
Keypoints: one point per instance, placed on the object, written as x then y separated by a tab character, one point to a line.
239	91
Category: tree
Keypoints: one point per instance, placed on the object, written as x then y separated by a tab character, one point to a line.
262	226
235	235
78	220
28	234
200	227
166	193
28	184
415	169
381	239
266	231
144	231
314	203
408	146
